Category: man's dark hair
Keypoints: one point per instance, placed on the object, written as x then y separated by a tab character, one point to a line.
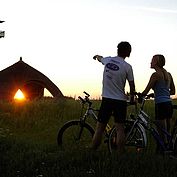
124	49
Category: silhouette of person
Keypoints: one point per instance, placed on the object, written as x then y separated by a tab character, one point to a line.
162	83
114	99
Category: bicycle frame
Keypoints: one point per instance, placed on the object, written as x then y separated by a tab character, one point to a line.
144	120
170	137
136	123
159	140
90	112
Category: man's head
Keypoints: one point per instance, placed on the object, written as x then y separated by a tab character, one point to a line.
124	49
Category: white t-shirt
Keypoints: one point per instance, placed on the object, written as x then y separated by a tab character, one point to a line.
116	72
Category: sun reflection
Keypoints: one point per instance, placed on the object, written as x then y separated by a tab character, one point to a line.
19	95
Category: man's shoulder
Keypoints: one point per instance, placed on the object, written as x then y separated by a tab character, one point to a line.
116	59
127	64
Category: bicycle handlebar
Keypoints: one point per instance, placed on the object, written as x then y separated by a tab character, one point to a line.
86	93
86	99
81	99
151	95
142	98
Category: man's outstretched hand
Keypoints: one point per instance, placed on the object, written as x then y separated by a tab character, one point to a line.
97	57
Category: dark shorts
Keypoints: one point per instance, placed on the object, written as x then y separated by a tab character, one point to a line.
163	110
109	107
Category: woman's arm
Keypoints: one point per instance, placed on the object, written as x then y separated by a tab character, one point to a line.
150	84
172	85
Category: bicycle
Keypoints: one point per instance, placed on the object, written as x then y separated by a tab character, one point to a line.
76	134
144	122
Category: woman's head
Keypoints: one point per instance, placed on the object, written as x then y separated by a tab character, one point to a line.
158	61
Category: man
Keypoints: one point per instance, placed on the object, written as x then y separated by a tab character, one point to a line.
114	99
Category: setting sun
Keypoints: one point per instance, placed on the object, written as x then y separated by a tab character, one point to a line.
19	95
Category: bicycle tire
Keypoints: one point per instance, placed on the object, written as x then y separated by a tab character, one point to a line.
75	135
175	146
135	142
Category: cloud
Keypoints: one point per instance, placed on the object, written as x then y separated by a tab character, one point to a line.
158	10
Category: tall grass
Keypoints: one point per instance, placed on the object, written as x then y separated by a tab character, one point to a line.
28	146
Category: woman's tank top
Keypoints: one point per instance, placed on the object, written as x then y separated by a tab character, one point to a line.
161	91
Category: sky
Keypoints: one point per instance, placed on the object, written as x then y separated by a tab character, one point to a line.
60	37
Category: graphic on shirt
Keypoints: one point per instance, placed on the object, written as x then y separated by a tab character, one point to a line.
112	66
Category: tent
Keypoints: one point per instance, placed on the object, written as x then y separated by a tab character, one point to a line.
26	78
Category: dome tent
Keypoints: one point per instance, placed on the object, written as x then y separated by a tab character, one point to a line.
26	78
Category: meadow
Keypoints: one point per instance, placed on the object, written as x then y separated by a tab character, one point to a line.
28	146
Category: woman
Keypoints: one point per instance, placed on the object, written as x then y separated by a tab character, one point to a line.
162	83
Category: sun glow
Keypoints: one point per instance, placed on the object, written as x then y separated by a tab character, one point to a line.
19	95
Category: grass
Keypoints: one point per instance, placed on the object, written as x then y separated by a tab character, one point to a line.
28	146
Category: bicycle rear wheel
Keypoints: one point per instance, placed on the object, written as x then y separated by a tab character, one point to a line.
175	145
75	135
135	140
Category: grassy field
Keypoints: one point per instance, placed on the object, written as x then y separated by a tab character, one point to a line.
28	146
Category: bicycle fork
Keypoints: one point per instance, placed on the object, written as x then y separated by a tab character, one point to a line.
133	132
80	132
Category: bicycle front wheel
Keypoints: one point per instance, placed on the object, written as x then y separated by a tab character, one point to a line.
135	138
75	135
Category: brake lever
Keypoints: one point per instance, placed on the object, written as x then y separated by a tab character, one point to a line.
86	93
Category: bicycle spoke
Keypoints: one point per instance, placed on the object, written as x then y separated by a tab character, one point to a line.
74	136
135	140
